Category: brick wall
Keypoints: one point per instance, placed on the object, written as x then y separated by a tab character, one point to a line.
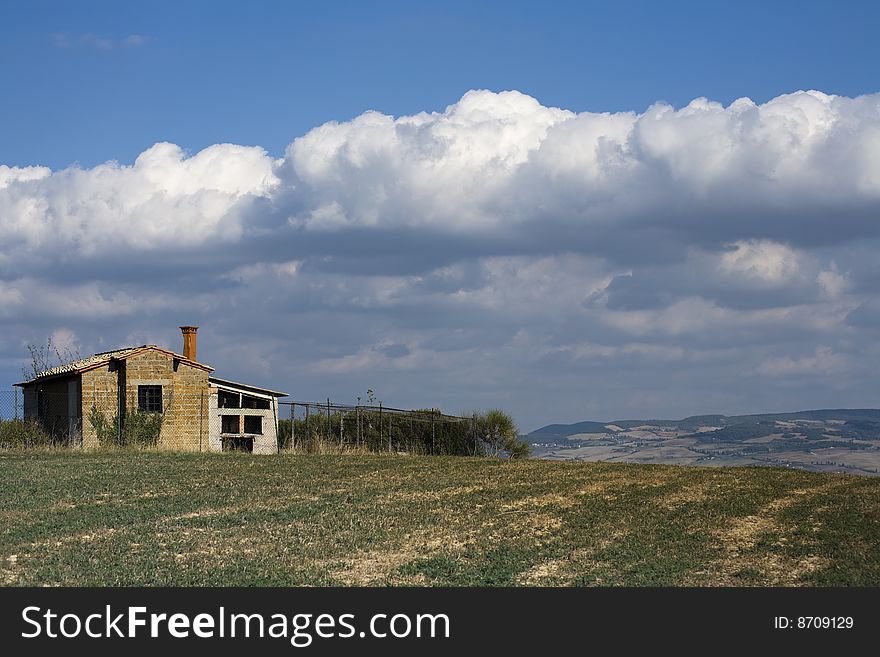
99	392
184	398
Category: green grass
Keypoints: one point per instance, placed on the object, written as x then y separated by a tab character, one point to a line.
152	518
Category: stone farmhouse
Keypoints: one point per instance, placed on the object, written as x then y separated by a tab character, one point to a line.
197	411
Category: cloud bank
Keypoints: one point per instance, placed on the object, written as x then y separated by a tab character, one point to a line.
567	265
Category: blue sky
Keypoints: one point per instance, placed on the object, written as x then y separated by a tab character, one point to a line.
262	73
568	210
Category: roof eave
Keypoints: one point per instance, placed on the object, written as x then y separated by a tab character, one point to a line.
245	386
41	379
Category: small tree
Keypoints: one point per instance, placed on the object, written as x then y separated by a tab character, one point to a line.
45	357
498	431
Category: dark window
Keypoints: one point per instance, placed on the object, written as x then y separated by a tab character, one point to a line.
229	424
238	444
150	399
227	399
253	424
254	402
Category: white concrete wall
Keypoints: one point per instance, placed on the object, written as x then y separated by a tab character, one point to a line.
265	443
215	444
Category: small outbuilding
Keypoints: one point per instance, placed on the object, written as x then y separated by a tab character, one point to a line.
242	417
149	395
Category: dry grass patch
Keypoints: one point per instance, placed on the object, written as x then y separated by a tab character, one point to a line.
563	571
553	500
404	496
741	536
682	496
380	565
541	573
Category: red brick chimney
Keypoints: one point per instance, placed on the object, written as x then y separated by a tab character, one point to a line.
189	341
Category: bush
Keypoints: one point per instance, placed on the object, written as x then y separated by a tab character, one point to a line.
139	429
142	429
499	434
24	434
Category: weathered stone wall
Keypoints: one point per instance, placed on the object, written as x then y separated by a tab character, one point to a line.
184	398
99	393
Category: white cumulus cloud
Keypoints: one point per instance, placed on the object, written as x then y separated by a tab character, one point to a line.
164	198
485	253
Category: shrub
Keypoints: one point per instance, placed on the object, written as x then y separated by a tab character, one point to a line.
106	434
142	429
139	429
19	434
499	434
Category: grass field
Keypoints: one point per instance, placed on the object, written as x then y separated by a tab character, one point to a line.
152	518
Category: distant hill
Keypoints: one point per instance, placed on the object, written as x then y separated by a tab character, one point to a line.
827	440
864	418
553	432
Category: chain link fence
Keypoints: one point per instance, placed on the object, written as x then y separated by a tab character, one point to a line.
27	421
223	420
47	418
325	426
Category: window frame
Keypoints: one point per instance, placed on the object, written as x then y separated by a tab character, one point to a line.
147	400
224	420
252	418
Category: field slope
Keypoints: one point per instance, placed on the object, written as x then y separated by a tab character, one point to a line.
153	518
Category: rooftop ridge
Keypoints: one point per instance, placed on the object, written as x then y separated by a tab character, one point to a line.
79	363
100	357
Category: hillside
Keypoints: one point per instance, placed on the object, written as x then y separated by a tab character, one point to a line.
152	518
828	440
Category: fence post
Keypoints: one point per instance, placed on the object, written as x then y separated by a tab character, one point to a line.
16	404
201	416
329	427
308	427
119	393
474	432
433	441
275	411
292	425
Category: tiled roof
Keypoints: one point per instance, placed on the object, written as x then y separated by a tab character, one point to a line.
83	364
